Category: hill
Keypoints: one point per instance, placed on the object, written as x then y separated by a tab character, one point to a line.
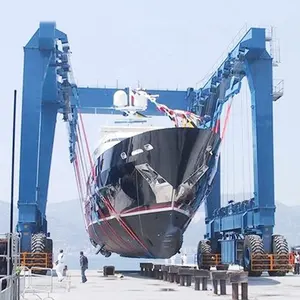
67	228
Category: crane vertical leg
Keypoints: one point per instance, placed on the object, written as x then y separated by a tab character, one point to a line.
30	134
34	131
47	131
212	203
260	81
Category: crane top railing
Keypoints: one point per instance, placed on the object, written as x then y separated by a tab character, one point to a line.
270	36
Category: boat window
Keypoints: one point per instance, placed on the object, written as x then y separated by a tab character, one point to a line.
123	155
137	151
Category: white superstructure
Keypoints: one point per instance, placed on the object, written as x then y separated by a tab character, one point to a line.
111	136
129	125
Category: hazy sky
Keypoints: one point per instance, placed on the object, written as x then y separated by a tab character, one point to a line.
161	44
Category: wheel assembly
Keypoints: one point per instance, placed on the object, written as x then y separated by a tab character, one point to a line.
280	250
40	246
204	254
254	250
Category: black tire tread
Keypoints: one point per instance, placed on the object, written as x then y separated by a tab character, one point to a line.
255	243
280	248
204	248
38	243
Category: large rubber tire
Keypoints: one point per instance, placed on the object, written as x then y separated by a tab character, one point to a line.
203	248
38	243
280	247
253	245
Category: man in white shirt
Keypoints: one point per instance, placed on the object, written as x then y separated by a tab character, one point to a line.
60	264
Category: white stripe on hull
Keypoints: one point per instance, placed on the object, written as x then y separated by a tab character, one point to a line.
143	212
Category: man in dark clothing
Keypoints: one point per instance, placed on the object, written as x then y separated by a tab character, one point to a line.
84	264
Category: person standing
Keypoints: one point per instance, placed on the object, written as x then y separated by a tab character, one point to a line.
84	265
297	263
60	264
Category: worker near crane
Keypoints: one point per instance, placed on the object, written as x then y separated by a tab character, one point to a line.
297	263
60	264
84	264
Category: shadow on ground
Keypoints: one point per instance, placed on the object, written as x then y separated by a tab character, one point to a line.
262	281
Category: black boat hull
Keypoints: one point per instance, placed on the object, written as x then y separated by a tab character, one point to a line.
161	240
147	188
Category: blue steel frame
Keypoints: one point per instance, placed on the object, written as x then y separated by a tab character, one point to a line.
48	90
226	226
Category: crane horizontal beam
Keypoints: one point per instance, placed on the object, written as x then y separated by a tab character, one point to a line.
99	100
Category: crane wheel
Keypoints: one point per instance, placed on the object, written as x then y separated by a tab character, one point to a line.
38	249
280	249
253	247
204	253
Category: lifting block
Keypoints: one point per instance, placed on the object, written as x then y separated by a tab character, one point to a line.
146	269
219	277
236	278
185	276
108	270
157	271
201	276
165	272
173	274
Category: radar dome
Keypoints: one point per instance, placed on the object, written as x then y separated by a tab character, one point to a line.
120	98
140	101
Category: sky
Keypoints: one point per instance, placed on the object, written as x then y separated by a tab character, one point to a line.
160	44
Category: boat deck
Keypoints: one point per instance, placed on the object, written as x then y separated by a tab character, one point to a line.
134	287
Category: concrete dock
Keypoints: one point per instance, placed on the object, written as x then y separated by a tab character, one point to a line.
133	287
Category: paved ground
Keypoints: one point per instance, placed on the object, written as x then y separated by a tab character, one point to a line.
133	287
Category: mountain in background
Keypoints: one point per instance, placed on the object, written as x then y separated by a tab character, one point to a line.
67	227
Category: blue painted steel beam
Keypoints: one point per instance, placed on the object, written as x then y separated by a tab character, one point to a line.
40	104
249	58
99	100
37	58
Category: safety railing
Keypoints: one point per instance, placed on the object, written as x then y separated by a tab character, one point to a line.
10	287
265	262
9	253
36	283
271	262
211	259
40	282
38	260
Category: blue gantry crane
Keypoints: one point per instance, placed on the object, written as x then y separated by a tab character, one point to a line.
242	233
236	233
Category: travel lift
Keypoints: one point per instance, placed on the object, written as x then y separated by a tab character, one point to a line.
238	233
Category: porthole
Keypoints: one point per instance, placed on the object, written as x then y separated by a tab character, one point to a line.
148	147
